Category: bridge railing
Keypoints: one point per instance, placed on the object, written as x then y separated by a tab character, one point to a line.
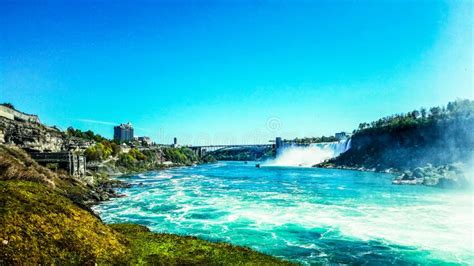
51	156
232	146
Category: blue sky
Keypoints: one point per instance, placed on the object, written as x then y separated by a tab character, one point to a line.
232	71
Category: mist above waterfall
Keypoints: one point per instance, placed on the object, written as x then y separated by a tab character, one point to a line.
308	155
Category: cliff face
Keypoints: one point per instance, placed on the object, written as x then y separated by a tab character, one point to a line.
31	136
436	143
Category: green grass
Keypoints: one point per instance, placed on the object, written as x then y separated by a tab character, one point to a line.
169	249
40	226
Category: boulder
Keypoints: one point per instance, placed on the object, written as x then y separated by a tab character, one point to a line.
104	196
407	175
418	172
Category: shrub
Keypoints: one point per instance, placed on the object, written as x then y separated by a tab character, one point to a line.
89	135
180	155
99	151
138	155
126	160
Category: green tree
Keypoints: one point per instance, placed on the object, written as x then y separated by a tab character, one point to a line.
115	148
435	112
423	112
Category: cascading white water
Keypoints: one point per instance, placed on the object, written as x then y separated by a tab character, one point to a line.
309	155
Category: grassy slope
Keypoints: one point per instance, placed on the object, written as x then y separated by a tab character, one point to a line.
153	248
40	224
43	227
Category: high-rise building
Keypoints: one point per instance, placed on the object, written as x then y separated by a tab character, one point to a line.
175	142
123	133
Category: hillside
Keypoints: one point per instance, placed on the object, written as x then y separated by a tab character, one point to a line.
438	138
43	220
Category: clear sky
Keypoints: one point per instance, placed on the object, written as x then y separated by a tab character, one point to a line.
232	71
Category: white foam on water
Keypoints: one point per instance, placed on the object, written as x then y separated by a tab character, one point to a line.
440	228
163	175
308	156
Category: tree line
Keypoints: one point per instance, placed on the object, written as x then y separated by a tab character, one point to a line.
459	109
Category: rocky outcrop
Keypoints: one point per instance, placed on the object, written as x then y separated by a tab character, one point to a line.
446	176
31	136
36	137
78	144
455	175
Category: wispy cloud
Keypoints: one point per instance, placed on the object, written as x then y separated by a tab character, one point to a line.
91	121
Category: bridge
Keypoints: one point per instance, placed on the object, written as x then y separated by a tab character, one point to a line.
202	150
74	164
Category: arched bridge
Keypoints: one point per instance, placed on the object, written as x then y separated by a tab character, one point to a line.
202	150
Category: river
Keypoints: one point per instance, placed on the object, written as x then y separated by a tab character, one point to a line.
308	215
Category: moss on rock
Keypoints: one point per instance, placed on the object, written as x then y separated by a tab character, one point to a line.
39	226
169	249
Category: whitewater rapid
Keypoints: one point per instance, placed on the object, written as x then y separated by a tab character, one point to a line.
308	155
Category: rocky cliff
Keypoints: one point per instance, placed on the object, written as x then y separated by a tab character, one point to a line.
435	142
31	136
434	149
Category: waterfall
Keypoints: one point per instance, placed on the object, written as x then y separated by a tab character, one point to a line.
308	155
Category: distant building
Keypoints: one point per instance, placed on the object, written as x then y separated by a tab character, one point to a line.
278	143
144	141
123	133
175	142
342	135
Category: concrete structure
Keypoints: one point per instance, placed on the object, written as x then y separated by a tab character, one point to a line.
13	114
144	141
125	148
123	132
278	143
75	164
78	144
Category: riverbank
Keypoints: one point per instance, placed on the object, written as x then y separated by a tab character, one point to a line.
45	219
329	165
454	175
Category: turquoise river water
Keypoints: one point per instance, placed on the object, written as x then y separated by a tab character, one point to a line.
308	215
